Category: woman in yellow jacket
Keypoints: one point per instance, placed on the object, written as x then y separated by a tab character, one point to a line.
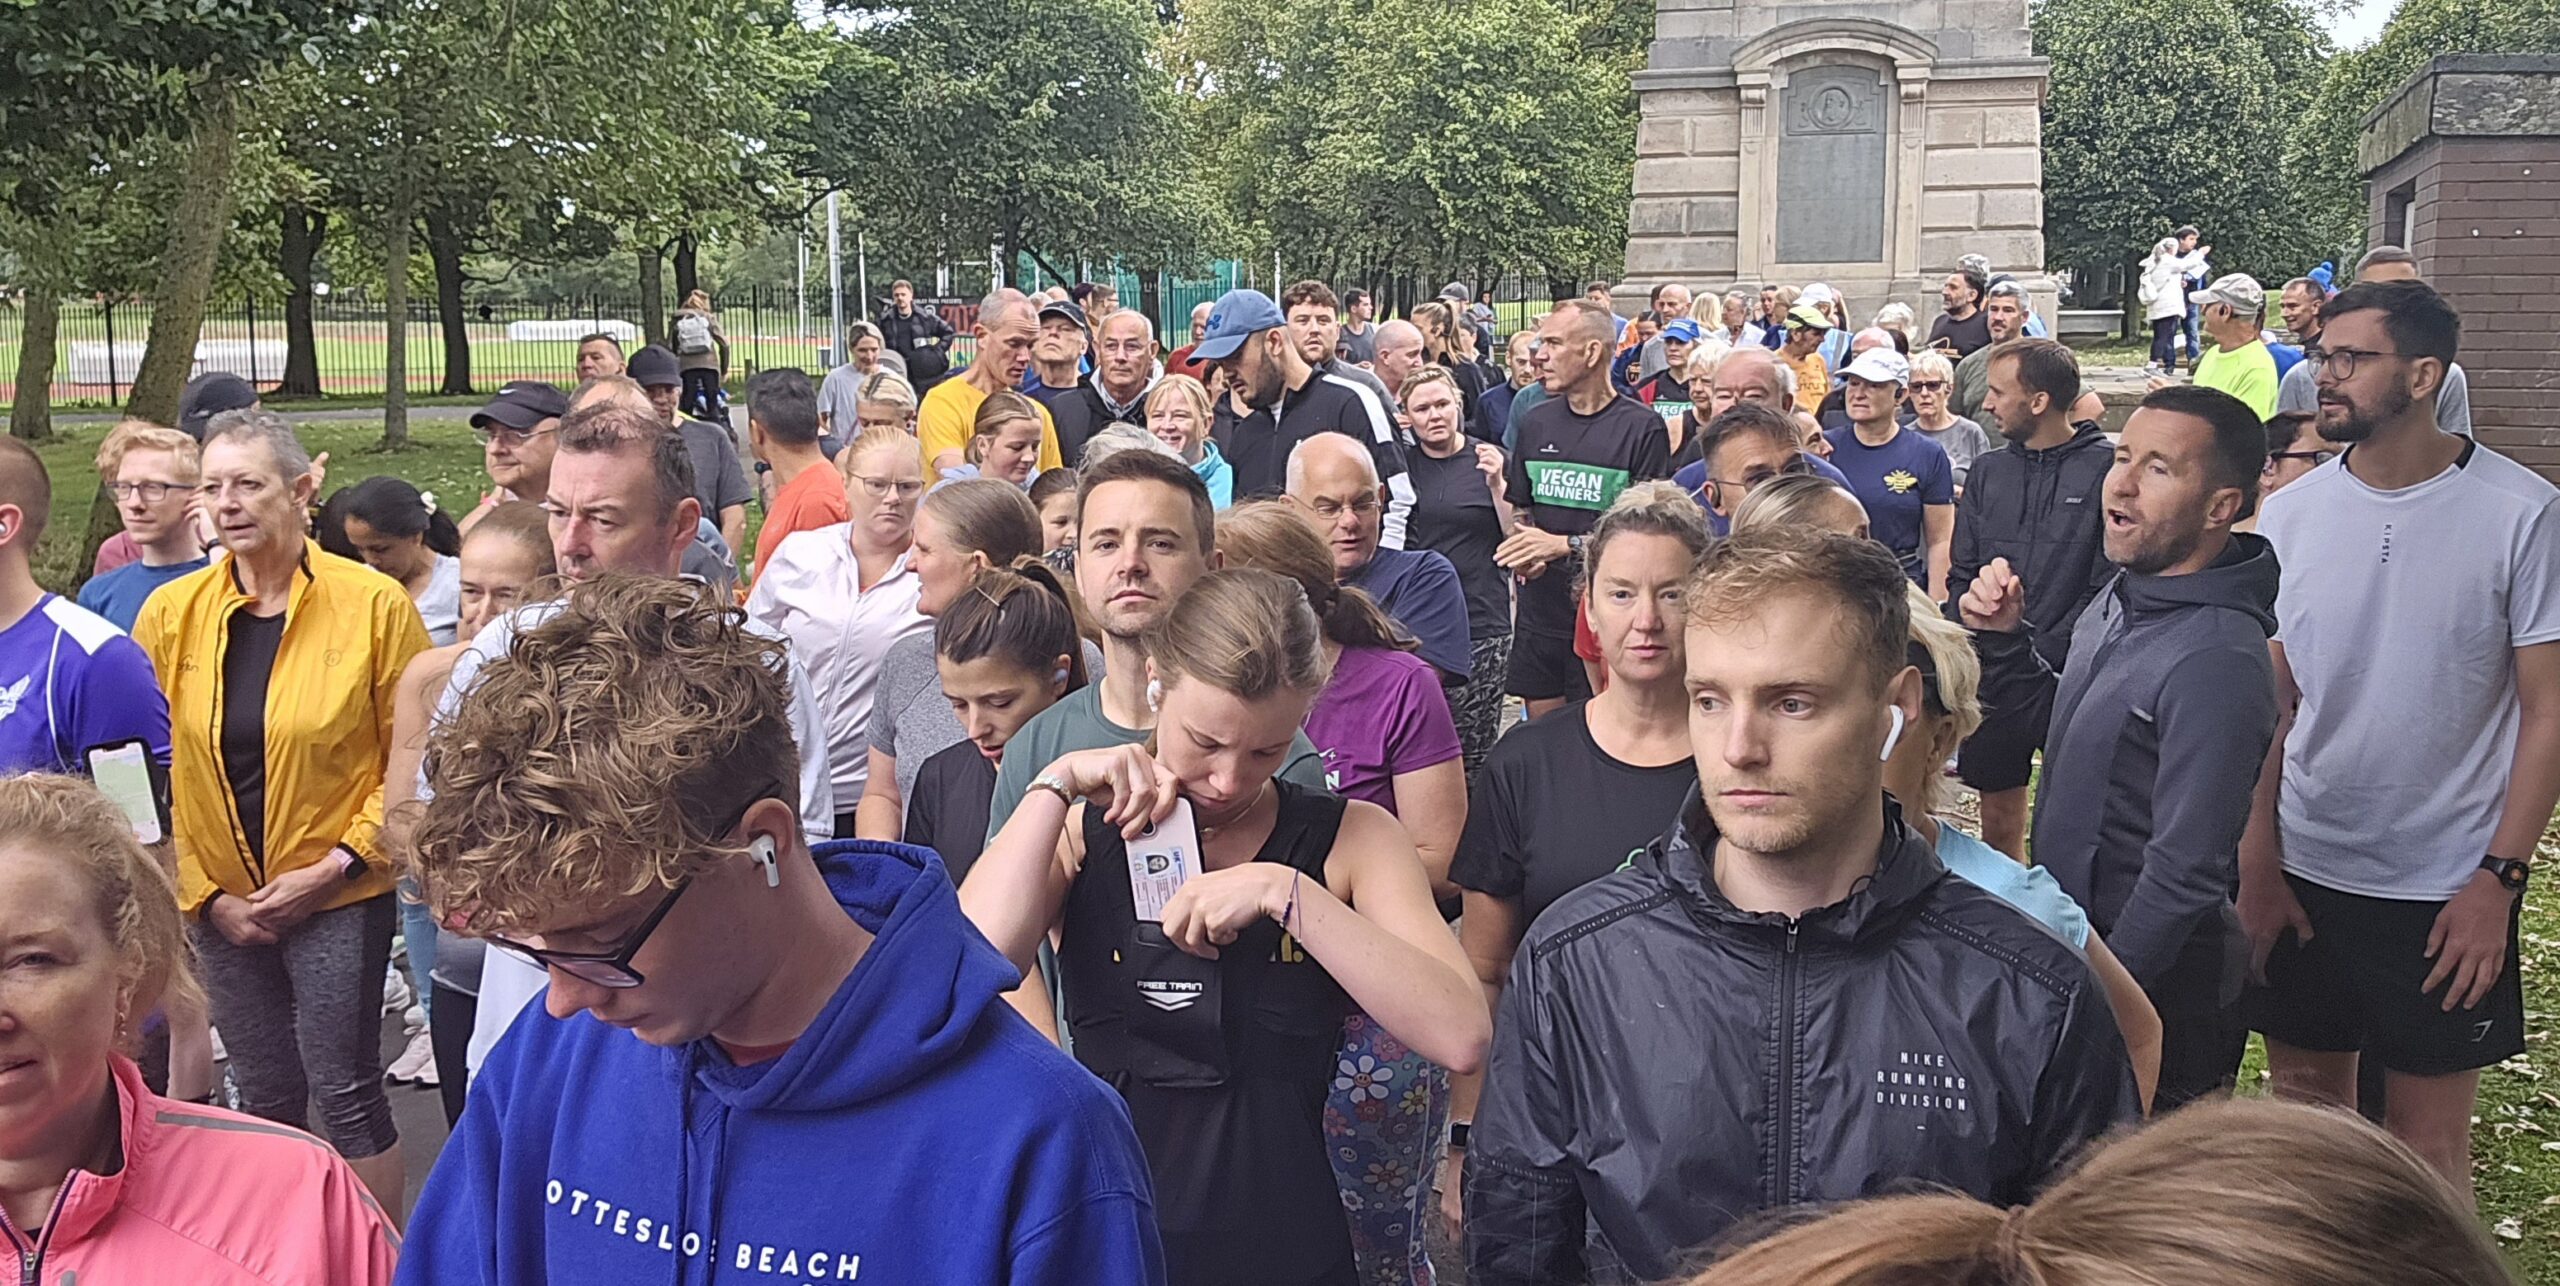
280	664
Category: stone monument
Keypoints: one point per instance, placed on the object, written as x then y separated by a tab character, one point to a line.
1867	144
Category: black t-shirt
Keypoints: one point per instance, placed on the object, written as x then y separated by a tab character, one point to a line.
1566	471
247	663
948	807
1552	812
1967	335
1453	513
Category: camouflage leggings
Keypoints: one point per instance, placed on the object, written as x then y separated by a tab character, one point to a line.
1477	705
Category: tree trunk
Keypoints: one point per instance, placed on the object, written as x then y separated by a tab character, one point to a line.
185	274
395	307
444	249
653	297
688	267
304	229
1151	303
31	411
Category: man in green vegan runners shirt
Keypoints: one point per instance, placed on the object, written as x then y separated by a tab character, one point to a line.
1574	453
2237	360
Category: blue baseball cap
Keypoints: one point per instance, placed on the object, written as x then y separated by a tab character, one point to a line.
1238	316
1684	330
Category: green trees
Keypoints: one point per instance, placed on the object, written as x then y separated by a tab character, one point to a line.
1403	139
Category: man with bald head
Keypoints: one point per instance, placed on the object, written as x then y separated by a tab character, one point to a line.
1576	451
1008	326
1334	485
1399	352
1116	393
1671	303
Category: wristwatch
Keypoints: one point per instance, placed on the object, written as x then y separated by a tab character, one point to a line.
1573	545
1458	1135
2510	872
351	864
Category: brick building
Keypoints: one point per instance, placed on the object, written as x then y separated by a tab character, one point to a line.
2462	167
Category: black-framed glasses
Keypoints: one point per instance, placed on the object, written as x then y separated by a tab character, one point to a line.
612	969
150	493
2341	361
2317	458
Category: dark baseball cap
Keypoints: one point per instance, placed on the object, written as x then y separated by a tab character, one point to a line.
522	404
209	395
652	366
1064	308
1238	316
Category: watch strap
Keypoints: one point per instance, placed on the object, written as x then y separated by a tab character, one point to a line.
2513	873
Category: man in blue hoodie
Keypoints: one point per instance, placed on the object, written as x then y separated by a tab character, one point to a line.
815	1076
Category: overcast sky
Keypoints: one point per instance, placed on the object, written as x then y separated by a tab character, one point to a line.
2359	21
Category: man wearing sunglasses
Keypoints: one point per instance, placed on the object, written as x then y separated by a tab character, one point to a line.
1747	443
621	500
759	1058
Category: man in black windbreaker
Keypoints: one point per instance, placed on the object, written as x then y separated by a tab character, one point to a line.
2034	502
2157	728
1787	998
918	335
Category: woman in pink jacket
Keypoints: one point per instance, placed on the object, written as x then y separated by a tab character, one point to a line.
102	1180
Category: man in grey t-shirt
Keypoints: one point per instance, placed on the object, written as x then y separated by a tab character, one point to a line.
2417	663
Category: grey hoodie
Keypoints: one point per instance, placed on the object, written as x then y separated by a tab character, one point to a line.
2156	731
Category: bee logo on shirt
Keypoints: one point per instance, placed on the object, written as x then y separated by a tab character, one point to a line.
1900	481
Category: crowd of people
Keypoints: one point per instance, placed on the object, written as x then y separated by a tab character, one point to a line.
1224	815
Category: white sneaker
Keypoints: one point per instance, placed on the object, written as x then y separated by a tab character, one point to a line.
396	993
406	1069
413	1020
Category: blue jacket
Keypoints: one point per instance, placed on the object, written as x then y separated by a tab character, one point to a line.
919	1132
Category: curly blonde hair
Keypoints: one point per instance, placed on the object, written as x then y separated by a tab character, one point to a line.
599	757
133	893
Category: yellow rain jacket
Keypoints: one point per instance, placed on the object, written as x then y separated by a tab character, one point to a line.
349	631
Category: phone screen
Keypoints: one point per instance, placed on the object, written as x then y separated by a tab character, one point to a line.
123	774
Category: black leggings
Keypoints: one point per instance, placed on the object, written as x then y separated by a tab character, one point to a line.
451	1036
2164	341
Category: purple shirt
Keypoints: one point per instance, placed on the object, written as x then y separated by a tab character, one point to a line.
1382	714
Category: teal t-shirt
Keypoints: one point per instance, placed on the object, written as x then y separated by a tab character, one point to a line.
1076	723
2031	889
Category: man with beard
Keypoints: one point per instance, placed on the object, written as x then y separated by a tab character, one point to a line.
2417	667
2300	390
1144	532
1820	1011
2037	502
2004	315
1291	401
2156	728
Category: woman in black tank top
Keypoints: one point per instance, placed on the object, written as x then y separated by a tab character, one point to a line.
1218	1021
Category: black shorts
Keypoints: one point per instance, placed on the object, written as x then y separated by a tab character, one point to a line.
1543	668
2001	754
2354	987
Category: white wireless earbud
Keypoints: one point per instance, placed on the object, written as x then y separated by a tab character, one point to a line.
1892	735
1155	694
761	853
1060	676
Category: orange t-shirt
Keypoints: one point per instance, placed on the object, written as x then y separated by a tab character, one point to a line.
814	499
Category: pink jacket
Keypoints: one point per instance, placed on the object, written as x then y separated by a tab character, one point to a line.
209	1198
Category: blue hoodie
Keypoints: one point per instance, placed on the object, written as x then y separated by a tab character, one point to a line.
919	1132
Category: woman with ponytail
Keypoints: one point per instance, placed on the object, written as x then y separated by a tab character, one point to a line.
1384	729
1215	1007
398	531
2240	1190
1006	649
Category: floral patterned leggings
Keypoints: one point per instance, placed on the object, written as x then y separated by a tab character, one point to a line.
1383	1125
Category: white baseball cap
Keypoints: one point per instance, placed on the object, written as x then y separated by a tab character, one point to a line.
1881	366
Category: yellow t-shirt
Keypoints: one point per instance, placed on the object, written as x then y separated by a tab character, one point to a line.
1813	380
2247	373
950	412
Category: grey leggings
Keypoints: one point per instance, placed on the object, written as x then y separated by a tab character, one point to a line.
303	1022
